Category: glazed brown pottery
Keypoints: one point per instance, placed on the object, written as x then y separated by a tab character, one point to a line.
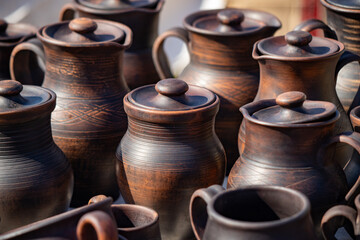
289	142
300	62
261	213
330	221
10	36
169	151
134	221
344	17
85	223
83	66
36	180
143	19
220	43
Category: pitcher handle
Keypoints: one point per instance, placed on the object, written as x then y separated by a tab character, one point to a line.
348	57
198	214
27	62
67	12
159	57
98	222
353	139
313	24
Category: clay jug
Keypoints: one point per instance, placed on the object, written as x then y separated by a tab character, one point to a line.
220	43
143	19
10	36
169	150
84	67
289	142
88	222
300	62
344	18
261	212
36	180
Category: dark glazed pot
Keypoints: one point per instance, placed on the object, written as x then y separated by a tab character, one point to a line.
220	43
259	212
36	180
85	223
84	67
300	62
10	36
143	19
289	142
169	150
344	18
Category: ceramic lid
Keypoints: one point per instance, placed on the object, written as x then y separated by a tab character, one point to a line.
14	32
297	44
351	4
171	95
228	20
84	30
117	4
292	107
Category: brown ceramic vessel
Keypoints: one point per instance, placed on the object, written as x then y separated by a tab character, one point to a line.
143	19
261	212
85	223
36	180
300	62
220	43
84	67
10	36
289	142
169	150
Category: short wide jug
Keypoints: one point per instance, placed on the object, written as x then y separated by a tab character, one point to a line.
84	68
259	212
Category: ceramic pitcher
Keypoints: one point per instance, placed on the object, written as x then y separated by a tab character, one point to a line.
36	180
220	43
169	150
259	212
289	142
84	60
143	19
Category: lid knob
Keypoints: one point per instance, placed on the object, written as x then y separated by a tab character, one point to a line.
230	17
291	99
82	25
10	87
172	87
298	38
3	25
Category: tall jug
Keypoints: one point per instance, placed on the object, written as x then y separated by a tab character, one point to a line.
143	19
220	43
84	67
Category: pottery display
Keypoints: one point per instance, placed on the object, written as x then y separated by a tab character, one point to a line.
300	62
344	18
220	44
289	142
143	19
262	213
84	223
36	180
84	68
169	150
10	36
134	221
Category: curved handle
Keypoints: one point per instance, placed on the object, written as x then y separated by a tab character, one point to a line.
353	139
198	213
97	222
27	62
67	12
330	222
313	24
159	57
